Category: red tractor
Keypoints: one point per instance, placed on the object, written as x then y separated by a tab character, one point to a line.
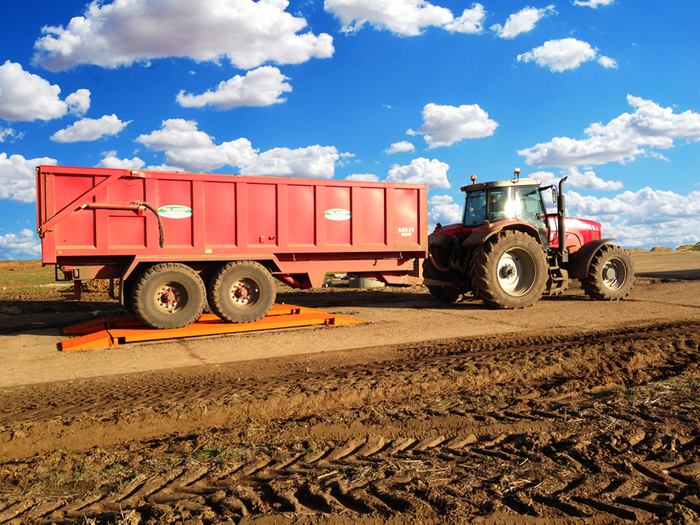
508	251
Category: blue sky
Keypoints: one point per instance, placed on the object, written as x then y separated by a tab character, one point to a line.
606	92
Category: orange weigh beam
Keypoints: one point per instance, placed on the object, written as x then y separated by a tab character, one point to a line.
129	321
113	337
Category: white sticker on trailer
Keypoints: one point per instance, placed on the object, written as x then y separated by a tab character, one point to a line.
175	211
338	214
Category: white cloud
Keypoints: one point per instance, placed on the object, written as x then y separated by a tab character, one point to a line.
313	161
187	148
9	134
593	3
233	153
400	147
28	97
589	180
260	87
645	218
607	62
345	159
445	125
403	17
523	21
78	103
545	177
176	134
564	54
18	177
469	22
622	139
112	161
421	171
247	32
444	211
26	245
87	129
165	167
363	177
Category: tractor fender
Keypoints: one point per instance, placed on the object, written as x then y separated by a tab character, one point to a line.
442	241
580	260
483	233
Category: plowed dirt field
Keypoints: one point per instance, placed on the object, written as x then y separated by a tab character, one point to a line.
569	412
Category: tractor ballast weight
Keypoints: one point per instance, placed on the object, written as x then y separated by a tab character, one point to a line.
508	251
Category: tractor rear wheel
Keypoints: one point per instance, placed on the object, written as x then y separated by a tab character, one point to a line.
509	270
242	292
610	275
168	295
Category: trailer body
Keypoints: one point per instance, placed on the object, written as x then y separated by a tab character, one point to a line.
114	223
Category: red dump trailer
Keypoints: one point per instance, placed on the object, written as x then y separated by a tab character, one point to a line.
176	240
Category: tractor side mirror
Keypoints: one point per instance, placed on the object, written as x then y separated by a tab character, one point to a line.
555	196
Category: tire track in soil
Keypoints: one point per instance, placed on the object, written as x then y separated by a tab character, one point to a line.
589	428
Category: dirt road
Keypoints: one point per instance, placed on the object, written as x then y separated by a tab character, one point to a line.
571	411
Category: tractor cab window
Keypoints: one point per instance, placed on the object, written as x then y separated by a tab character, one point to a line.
492	205
475	208
531	209
500	206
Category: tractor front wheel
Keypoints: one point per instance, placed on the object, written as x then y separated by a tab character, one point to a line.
509	270
610	275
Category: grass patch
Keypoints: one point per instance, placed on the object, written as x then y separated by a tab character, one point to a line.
25	275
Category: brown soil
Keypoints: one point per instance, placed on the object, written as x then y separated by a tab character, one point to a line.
572	411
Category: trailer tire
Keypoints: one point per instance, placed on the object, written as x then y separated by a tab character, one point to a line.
610	275
241	292
509	270
168	295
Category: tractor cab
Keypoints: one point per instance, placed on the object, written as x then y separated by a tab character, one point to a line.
515	200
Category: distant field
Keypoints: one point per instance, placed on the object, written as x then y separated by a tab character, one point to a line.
25	275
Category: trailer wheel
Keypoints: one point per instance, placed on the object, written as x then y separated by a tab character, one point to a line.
168	295
241	292
509	270
610	275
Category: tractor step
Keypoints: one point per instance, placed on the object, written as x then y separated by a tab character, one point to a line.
109	332
558	277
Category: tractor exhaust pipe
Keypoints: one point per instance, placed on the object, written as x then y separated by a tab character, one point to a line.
561	212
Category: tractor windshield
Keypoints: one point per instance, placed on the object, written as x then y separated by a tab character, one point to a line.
492	205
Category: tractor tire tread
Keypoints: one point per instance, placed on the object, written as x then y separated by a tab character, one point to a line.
483	271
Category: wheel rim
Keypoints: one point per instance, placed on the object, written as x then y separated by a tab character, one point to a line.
170	297
614	274
516	272
245	292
